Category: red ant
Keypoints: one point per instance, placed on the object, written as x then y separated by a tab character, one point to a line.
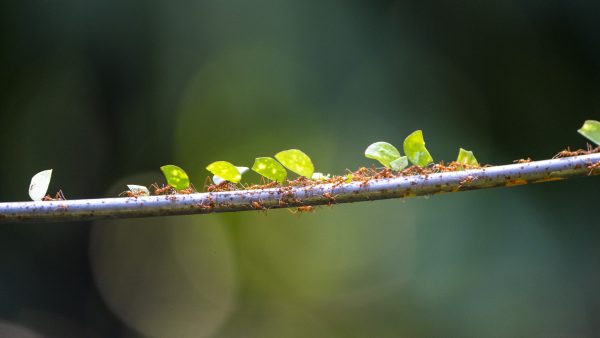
58	197
467	180
129	193
301	209
330	197
568	153
189	190
257	206
593	167
165	190
523	160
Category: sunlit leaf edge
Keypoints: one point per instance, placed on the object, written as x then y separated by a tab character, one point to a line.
591	130
175	176
414	148
296	161
383	152
278	173
225	170
466	157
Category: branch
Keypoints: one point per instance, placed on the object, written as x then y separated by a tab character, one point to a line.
303	197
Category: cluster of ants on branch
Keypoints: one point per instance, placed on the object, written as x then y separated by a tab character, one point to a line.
228	186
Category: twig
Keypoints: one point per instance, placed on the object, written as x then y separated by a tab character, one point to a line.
289	197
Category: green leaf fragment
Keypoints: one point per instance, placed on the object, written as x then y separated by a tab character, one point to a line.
399	163
383	152
349	178
466	157
414	147
218	180
176	177
269	168
591	130
39	185
225	170
296	161
138	190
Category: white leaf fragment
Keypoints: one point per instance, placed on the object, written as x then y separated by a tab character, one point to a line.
320	176
39	185
138	190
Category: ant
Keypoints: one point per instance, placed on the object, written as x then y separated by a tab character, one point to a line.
258	206
206	207
165	190
208	182
338	180
467	180
271	184
330	197
135	194
440	167
223	186
568	153
414	170
384	173
189	190
129	193
58	197
301	209
592	167
300	181
523	160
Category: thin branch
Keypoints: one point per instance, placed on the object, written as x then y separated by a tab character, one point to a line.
303	197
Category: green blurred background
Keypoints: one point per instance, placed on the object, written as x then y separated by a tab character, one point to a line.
105	92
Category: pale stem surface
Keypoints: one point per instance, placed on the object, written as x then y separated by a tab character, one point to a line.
290	197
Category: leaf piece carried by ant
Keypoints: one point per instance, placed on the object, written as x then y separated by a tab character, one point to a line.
591	130
269	168
349	178
138	190
225	170
414	147
39	185
296	161
218	179
399	163
176	177
466	157
320	176
383	152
